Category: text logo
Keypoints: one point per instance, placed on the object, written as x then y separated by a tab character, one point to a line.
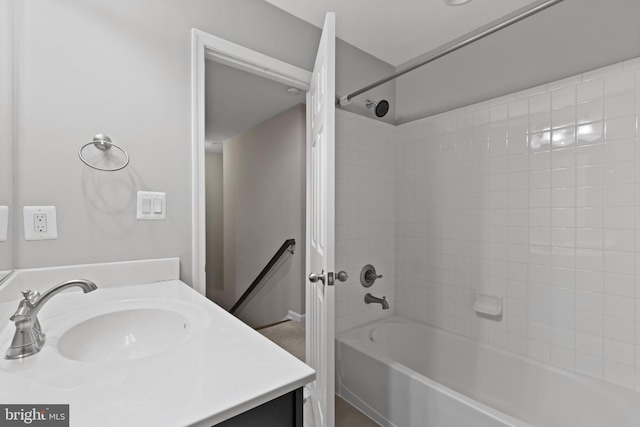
34	415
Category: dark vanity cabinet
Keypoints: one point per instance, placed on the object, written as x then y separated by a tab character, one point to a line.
283	411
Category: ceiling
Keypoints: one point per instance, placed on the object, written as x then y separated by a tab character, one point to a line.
400	30
237	101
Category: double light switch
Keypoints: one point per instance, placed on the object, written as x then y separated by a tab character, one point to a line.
152	205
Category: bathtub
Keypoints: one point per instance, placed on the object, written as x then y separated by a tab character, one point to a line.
408	374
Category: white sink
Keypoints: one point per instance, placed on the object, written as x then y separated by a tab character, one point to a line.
119	354
124	335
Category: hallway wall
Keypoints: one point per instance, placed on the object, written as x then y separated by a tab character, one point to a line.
264	205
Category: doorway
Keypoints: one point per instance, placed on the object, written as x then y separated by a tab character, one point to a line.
254	190
320	196
255	159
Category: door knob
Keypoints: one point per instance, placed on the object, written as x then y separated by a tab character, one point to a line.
342	276
314	277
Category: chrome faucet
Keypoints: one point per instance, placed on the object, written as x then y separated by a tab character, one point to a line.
29	338
368	298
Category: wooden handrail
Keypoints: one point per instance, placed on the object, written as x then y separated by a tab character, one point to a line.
285	246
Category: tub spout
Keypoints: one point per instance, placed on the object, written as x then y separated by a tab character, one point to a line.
368	298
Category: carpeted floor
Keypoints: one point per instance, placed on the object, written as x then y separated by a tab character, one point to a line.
290	336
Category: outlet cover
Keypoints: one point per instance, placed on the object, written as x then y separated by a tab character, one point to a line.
4	223
40	223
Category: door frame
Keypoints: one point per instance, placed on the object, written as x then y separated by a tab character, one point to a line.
207	46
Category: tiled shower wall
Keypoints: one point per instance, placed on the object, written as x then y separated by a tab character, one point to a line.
365	215
534	197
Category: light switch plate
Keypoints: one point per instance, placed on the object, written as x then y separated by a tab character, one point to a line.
152	205
40	223
4	223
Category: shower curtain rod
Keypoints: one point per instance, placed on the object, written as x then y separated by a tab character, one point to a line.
467	39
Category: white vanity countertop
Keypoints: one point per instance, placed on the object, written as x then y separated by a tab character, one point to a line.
221	369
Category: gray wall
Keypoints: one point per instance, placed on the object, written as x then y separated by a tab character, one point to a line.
214	222
354	70
123	68
88	67
264	205
6	124
569	38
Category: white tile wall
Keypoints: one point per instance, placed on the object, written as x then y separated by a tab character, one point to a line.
365	215
532	196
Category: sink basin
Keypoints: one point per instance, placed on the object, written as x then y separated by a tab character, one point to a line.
124	335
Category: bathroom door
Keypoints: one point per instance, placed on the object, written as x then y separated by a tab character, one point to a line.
320	227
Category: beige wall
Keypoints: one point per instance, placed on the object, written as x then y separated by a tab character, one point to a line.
214	220
264	204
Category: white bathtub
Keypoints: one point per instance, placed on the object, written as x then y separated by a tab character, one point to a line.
407	374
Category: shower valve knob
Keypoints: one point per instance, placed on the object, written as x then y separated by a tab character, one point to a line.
373	276
368	275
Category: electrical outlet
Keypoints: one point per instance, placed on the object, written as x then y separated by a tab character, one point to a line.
40	223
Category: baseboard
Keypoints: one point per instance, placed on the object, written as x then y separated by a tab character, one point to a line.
292	315
272	324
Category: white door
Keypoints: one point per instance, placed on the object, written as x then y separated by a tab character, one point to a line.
321	226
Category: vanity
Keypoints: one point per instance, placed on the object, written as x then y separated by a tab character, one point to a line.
145	349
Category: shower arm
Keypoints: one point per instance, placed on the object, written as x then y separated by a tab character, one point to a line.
465	40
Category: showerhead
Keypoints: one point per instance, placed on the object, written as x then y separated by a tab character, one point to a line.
382	107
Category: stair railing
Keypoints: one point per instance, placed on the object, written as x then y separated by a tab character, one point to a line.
287	246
